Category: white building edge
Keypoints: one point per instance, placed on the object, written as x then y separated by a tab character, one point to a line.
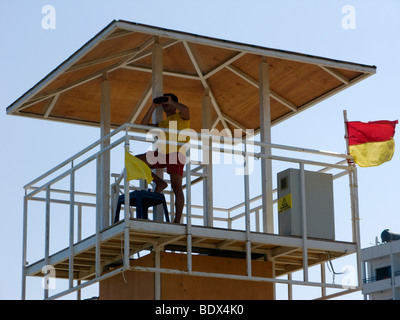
381	271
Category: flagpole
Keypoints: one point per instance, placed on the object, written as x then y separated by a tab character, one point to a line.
346	136
354	203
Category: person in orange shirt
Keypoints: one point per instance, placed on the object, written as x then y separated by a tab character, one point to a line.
169	156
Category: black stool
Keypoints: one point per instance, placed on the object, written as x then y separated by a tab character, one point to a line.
142	200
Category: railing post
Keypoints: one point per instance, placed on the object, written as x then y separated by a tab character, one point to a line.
157	90
126	209
105	155
323	279
247	209
265	136
98	217
157	274
304	220
24	247
355	218
79	238
189	213
47	238
207	143
71	228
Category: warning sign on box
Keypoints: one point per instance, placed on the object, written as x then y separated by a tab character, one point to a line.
285	203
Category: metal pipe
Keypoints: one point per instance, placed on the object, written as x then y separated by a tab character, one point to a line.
304	220
356	224
98	217
247	212
47	238
157	275
189	213
126	210
71	229
238	277
24	247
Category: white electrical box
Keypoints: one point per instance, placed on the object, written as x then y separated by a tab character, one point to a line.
319	204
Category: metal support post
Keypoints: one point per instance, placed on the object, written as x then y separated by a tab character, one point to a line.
265	136
290	287
71	228
247	210
79	238
105	157
189	214
353	183
47	240
323	279
98	217
356	220
157	91
157	274
24	247
304	221
126	209
207	160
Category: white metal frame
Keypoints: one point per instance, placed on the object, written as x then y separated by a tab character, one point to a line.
177	231
155	88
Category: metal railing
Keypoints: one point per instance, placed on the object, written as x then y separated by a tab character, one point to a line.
44	188
375	278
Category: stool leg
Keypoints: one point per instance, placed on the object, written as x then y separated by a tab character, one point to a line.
139	206
116	219
139	212
166	211
145	212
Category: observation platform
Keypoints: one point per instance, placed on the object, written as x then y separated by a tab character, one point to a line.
285	252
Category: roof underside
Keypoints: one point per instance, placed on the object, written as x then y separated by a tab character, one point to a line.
191	63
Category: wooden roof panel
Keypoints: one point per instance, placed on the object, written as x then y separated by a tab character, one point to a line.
123	50
298	82
69	78
80	103
114	45
209	58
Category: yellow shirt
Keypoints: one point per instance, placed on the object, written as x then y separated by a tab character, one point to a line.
174	122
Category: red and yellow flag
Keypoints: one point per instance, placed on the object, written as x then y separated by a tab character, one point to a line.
371	143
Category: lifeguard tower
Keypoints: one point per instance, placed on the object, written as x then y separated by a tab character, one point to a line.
240	91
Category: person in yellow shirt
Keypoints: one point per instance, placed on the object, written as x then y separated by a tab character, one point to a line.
167	156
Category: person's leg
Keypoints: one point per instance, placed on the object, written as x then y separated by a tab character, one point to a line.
176	185
160	183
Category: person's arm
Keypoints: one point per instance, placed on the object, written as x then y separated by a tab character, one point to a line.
147	117
184	110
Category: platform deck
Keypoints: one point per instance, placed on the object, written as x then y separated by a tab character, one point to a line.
285	252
